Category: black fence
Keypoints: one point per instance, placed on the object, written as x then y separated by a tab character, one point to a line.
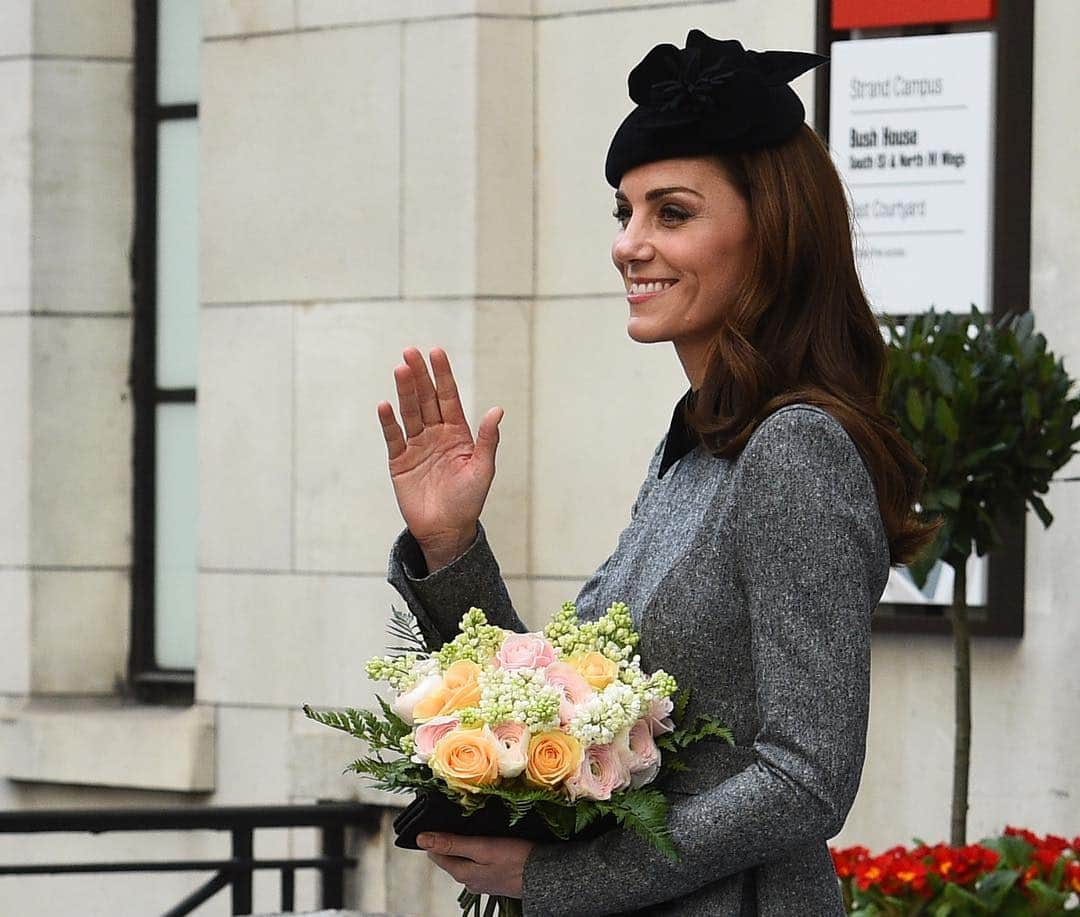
237	872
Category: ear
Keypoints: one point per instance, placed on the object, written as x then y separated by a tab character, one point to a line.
779	67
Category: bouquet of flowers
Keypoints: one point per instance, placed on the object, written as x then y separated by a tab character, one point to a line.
1016	874
547	735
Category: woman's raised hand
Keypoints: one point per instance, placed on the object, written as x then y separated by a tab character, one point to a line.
441	476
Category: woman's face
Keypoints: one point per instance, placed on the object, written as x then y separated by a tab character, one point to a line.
683	247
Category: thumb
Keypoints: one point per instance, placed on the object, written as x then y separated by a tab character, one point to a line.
487	437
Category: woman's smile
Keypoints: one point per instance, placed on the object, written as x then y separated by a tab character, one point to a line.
641	291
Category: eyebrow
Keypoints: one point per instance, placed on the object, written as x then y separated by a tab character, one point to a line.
660	192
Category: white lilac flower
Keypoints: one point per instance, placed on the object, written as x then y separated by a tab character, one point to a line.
519	696
477	642
601	717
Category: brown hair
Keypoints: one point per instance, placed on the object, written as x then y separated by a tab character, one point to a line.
801	330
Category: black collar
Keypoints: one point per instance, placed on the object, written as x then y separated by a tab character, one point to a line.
681	439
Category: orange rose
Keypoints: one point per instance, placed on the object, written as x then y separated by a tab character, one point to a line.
429	706
466	759
553	756
596	669
460	688
462	681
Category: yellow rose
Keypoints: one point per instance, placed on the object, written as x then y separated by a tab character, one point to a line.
460	688
553	756
596	669
466	759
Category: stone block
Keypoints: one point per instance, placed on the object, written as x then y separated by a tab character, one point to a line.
16	179
321	13
80	629
16	32
300	166
89	745
82	186
229	18
252	754
440	180
15	439
81	428
101	28
14	631
246	437
289	640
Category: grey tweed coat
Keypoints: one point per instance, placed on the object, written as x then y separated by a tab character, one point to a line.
752	582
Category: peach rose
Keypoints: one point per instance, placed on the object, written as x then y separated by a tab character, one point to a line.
405	704
553	756
466	759
575	689
602	773
427	734
524	651
460	688
513	739
596	669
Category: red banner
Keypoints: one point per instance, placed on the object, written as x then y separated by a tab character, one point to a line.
869	14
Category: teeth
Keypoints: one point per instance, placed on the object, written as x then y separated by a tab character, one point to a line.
651	287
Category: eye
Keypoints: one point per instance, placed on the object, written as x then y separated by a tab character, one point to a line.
621	214
669	213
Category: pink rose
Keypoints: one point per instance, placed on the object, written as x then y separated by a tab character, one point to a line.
524	651
427	734
638	752
513	741
575	689
659	716
602	773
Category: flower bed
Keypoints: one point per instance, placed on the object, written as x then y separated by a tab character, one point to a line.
1014	875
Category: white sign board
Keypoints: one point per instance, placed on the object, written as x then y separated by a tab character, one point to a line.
911	131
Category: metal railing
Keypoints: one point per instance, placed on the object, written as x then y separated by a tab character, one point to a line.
237	872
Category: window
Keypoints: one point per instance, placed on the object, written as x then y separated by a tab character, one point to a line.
164	350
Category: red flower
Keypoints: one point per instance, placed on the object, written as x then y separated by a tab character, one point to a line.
1023	833
845	861
1072	875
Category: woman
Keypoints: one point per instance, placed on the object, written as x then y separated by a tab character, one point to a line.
762	537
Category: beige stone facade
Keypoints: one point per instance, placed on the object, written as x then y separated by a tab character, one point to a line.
375	174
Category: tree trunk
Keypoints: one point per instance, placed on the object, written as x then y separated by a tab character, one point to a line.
962	741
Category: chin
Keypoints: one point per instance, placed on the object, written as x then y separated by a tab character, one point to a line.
640	332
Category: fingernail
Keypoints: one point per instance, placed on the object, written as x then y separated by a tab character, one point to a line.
425	840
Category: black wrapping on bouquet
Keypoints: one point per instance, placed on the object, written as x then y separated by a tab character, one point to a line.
437	812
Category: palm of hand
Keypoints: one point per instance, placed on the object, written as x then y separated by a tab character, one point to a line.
440	475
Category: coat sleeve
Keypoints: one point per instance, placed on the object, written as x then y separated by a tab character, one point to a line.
812	561
438	599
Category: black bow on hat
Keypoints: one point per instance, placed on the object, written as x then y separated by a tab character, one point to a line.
710	97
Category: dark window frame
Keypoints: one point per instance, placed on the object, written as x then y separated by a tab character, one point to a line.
147	679
1003	614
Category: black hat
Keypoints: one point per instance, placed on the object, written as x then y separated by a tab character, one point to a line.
709	97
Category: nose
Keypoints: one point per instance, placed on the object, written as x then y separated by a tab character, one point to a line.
632	244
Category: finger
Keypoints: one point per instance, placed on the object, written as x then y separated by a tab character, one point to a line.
457	845
407	401
425	388
446	387
395	439
487	437
460	869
